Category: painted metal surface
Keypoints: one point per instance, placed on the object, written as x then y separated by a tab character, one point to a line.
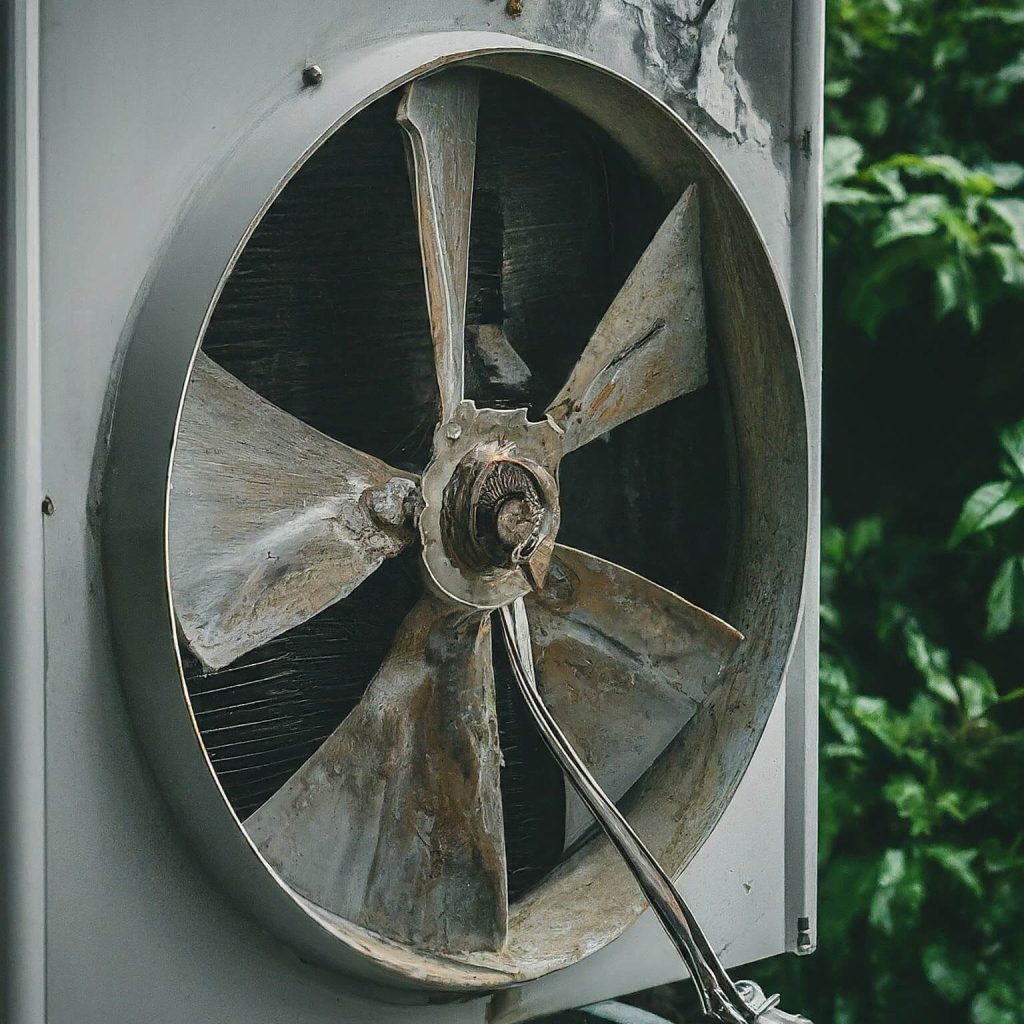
201	80
22	507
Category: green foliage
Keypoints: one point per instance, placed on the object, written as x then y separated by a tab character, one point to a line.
922	839
993	505
925	216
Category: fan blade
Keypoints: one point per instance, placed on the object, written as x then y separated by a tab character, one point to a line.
439	116
651	345
623	664
269	520
395	823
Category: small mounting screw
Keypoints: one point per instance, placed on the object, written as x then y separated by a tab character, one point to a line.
48	508
803	935
514	8
453	431
312	75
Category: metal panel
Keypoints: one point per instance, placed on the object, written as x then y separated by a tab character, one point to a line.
138	103
22	642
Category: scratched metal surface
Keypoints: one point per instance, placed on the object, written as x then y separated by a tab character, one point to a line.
137	105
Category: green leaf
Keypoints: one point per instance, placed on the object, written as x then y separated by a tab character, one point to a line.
899	894
1005	603
957	862
987	1009
920	215
912	803
889	179
840	159
865	535
837	88
1011	264
1011	213
931	660
977	690
840	195
1004	175
949	287
876	115
621	1013
1012	441
987	507
950	969
1007	15
876	716
1012	73
961	805
941	165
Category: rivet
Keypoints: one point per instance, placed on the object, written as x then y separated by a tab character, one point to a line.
453	431
312	75
48	508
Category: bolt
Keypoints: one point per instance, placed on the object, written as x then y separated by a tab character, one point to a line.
803	935
395	503
312	75
453	431
48	508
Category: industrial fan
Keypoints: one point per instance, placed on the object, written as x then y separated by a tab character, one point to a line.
395	822
455	522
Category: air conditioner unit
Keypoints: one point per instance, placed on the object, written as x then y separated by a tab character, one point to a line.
337	336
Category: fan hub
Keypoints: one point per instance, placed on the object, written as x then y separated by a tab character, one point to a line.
491	507
498	508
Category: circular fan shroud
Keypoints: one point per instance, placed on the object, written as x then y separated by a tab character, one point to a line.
678	802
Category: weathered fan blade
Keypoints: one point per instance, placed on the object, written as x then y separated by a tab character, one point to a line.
622	664
395	823
270	521
651	345
439	116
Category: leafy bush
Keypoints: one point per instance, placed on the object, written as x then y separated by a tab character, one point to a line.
922	837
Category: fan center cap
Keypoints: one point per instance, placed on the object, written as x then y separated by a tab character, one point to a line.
498	508
490	505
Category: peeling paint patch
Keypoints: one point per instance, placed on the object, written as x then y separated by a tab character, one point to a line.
691	46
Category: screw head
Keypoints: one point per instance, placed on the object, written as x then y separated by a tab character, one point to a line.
48	507
312	75
453	431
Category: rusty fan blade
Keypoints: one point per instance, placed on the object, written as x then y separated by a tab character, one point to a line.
623	664
439	116
651	344
395	823
269	520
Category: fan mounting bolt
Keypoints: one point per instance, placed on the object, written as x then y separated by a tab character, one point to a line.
453	431
312	76
396	503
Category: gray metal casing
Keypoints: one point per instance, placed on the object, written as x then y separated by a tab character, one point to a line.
115	113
